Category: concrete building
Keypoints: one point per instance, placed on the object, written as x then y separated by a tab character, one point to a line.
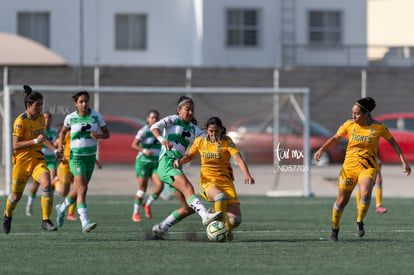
259	33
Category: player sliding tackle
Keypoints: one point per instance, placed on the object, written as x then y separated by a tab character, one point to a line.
179	132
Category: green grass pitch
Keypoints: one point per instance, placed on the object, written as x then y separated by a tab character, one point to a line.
277	236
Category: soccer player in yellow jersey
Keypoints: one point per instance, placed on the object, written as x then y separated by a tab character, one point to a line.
66	176
361	161
216	175
51	133
28	159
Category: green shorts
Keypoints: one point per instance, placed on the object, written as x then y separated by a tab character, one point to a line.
51	165
166	170
82	165
145	169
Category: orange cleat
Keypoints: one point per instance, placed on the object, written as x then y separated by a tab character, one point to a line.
381	210
147	209
71	217
136	217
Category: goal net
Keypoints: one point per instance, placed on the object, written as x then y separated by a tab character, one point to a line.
269	126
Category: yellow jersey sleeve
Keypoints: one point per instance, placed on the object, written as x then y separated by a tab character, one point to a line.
195	147
343	130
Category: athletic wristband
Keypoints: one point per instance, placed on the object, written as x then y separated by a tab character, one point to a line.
56	151
160	139
145	151
36	141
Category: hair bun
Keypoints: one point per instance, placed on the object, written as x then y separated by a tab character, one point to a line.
367	103
27	90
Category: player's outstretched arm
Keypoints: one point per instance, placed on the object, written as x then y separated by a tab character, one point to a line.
248	179
398	151
334	139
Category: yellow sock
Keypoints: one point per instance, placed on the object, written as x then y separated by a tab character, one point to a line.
378	196
57	185
71	209
336	215
10	206
47	203
220	204
358	197
363	209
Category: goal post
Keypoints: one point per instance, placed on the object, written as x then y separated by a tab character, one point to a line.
251	115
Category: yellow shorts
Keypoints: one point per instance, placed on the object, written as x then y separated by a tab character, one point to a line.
228	189
24	169
349	178
64	173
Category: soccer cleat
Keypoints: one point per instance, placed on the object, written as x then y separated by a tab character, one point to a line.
60	218
210	217
29	210
71	217
160	234
136	217
381	210
48	225
6	224
333	236
360	232
89	226
148	213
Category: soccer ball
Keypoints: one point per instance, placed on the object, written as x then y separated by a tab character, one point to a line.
217	231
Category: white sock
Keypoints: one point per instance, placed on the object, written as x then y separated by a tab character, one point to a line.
137	207
151	199
83	215
30	199
197	206
169	221
65	204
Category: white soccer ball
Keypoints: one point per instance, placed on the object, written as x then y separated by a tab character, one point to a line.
217	231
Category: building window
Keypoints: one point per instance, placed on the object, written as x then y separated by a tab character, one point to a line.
325	28
242	28
130	32
34	25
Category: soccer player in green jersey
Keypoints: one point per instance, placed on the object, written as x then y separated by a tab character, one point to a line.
176	133
86	127
146	166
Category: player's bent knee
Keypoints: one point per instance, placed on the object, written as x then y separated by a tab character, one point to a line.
236	220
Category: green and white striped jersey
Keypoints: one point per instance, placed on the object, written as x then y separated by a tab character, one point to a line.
81	143
149	142
180	133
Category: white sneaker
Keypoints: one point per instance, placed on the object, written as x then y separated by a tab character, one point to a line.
210	217
160	234
29	210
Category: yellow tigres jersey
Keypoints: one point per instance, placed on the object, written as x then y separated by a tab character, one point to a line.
362	150
66	145
28	129
66	151
215	159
